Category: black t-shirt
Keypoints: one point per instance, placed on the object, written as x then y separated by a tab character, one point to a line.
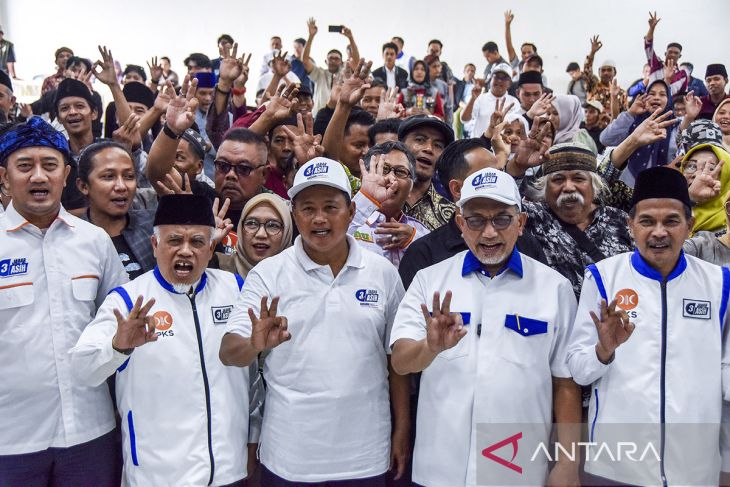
72	198
129	260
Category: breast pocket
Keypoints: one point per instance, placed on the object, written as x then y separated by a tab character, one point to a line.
16	295
525	341
462	348
85	287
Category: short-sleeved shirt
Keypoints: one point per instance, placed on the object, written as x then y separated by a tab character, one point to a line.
327	414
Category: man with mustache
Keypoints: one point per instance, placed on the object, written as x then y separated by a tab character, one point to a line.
573	226
650	338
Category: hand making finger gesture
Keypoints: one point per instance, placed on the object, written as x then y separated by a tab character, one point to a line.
613	328
653	128
307	146
230	67
155	69
706	183
223	225
137	328
354	86
282	105
443	329
373	182
103	68
500	111
531	149
268	330
389	106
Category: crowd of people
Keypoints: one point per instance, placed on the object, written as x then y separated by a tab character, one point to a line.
352	275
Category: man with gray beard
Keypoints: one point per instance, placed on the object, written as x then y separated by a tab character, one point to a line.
574	227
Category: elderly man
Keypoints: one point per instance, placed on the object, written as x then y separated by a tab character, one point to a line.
569	220
473	352
379	224
327	419
477	113
55	271
650	338
160	335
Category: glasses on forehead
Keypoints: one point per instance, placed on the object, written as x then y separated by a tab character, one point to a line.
272	227
399	171
243	170
478	223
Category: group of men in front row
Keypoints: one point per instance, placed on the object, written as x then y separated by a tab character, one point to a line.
498	338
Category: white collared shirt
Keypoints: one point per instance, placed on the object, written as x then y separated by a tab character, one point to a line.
327	413
518	324
484	106
389	76
51	284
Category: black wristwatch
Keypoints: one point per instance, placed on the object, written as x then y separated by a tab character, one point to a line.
169	132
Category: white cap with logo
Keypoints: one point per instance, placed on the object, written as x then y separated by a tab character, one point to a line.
320	171
502	68
491	184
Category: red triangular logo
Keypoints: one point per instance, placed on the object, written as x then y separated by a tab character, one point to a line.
487	452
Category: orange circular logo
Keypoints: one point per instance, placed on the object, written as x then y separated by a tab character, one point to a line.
163	320
627	299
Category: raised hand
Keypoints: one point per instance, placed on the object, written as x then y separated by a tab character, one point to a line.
268	330
393	234
498	116
155	69
653	20
26	110
389	106
162	100
508	17
137	328
639	106
353	88
653	129
240	82
180	114
693	106
170	185
103	68
443	329
223	225
281	106
614	88
128	133
613	328
312	27
541	106
670	66
373	182
596	44
498	144
346	32
230	67
280	65
531	149
706	183
476	90
307	146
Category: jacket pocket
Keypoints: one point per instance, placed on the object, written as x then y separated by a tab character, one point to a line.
16	295
132	438
85	287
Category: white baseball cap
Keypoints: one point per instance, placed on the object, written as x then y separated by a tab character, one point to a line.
503	68
490	184
323	171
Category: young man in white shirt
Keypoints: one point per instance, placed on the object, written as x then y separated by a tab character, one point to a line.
492	354
55	270
478	111
325	340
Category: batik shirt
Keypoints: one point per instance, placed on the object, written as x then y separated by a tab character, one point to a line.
432	209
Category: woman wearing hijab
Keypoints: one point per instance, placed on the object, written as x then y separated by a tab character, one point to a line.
420	97
659	153
264	230
566	115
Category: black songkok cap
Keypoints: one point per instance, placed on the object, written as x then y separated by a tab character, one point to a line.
661	182
184	209
73	87
137	92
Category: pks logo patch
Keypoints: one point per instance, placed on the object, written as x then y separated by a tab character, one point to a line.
627	299
367	297
163	323
13	267
692	308
316	169
488	178
221	314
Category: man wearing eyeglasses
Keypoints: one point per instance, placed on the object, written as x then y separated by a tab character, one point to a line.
488	362
379	224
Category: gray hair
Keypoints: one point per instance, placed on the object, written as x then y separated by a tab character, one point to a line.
156	232
388	147
599	185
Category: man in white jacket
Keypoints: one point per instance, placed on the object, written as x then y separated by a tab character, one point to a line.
650	338
185	416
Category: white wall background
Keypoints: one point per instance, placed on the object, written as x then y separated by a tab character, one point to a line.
138	29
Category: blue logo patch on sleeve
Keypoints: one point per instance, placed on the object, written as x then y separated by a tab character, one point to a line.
13	267
221	314
692	308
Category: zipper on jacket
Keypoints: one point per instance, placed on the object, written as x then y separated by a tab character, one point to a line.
205	384
662	385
